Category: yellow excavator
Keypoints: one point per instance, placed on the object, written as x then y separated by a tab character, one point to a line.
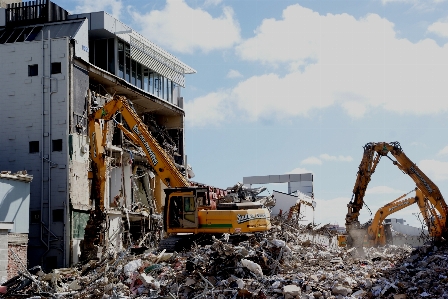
428	196
187	209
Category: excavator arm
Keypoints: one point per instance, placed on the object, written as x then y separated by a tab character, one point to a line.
161	163
435	210
375	231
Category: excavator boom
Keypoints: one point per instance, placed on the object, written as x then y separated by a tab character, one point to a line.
431	201
161	163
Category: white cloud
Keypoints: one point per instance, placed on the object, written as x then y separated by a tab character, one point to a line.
337	60
299	170
336	158
443	151
206	110
436	170
234	74
440	28
359	64
383	190
312	160
182	28
325	157
111	6
212	2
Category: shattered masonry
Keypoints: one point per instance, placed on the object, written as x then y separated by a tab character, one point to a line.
277	264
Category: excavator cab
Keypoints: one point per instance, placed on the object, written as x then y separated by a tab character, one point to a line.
182	205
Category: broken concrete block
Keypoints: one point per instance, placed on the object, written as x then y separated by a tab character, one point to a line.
400	296
132	266
74	286
253	267
341	290
359	294
291	291
190	281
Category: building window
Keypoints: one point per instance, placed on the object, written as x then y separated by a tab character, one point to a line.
133	72
33	70
57	145
35	216
34	147
79	221
127	62
120	60
139	75
145	79
58	215
55	68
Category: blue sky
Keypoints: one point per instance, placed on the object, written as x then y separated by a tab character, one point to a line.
300	86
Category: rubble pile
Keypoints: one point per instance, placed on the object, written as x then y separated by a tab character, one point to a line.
277	264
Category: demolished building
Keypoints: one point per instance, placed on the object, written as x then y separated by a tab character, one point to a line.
56	68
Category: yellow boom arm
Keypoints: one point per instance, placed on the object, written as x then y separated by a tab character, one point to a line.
375	231
139	134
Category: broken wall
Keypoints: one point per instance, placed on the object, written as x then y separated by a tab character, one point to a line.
17	250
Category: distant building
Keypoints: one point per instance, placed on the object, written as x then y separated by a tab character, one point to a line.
406	234
55	67
296	182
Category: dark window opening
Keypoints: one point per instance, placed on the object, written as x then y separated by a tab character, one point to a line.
35	216
92	51
111	55
56	68
34	146
33	70
101	53
58	215
57	145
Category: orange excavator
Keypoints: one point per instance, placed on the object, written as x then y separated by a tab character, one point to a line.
186	208
377	233
428	196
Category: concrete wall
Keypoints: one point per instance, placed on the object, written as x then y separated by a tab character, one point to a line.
27	106
404	228
15	204
79	155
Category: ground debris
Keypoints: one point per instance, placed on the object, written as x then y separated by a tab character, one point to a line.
275	264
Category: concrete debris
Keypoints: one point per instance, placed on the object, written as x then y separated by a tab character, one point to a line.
275	264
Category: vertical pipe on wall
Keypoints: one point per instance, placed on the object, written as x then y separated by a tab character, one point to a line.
49	142
68	213
42	145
